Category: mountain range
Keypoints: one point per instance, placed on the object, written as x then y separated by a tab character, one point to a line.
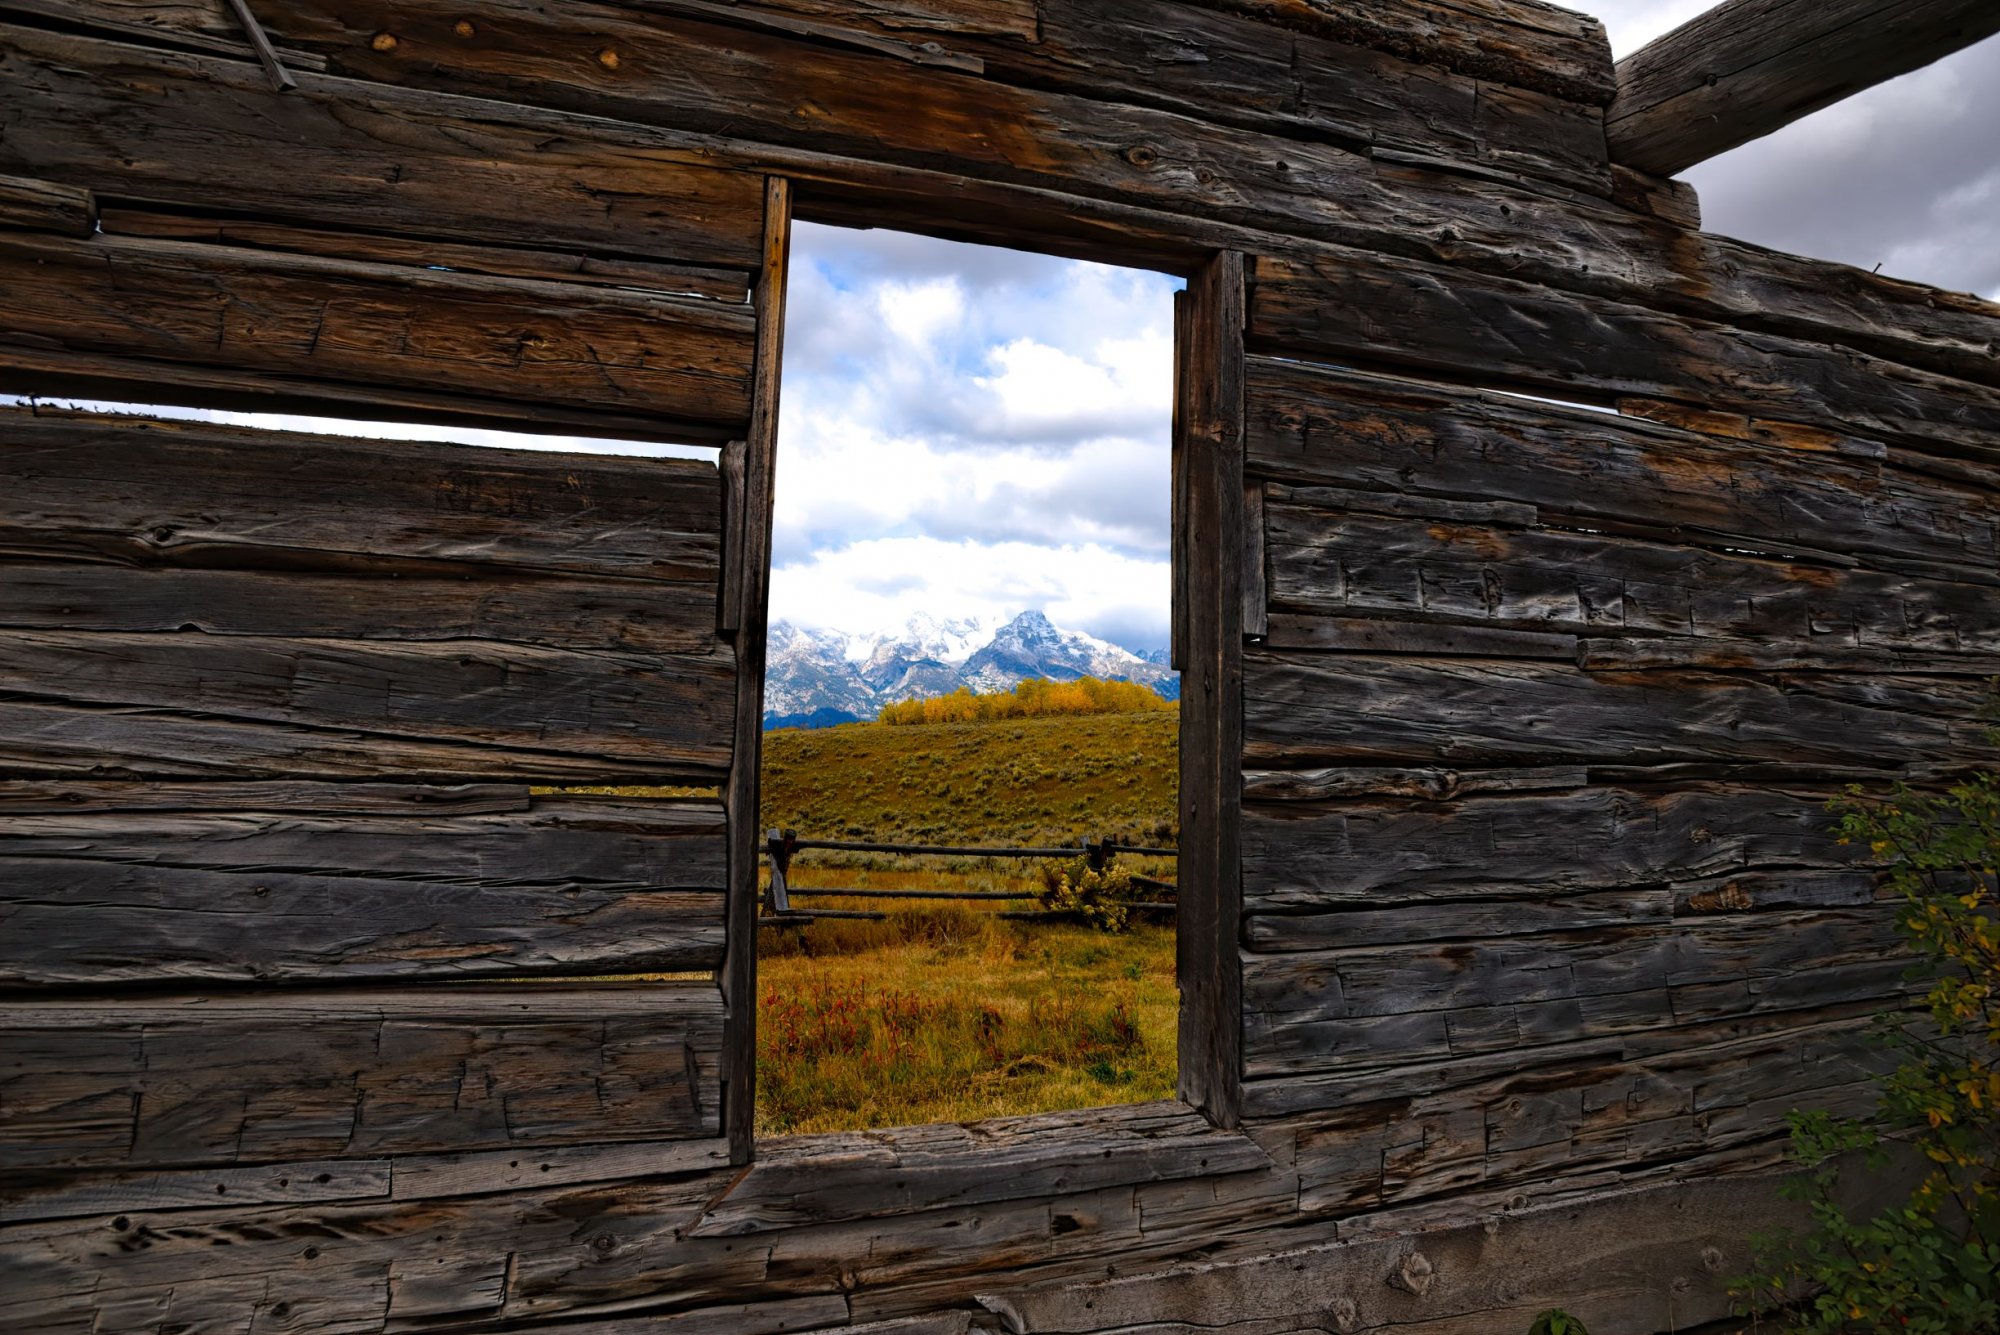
816	678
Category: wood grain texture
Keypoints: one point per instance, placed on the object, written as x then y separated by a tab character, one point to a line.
726	285
749	586
339	153
287	707
1746	68
1301	710
1407	447
1198	62
909	1170
1713	605
1389	852
145	492
1494	331
1209	515
305	319
1530	45
286	893
241	1077
42	206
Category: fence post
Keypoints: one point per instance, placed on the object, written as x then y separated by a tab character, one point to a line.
779	848
1097	854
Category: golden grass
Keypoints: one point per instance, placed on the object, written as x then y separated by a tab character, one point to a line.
949	1013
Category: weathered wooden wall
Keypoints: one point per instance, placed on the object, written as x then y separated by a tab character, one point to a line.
1540	928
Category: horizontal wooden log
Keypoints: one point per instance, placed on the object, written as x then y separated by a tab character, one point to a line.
145	492
1637	1260
727	285
1490	912
1530	45
245	1077
1303	710
1708	603
35	797
574	886
413	603
1531	337
1387	852
1367	1008
1335	634
1746	68
467	709
616	1252
1633	1106
42	206
1201	63
338	153
1193	195
1401	446
307	319
908	1170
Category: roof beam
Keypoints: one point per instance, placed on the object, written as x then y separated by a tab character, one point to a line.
1748	67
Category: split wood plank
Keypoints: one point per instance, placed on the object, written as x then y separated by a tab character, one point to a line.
1193	196
302	320
242	1077
576	886
1403	446
908	1170
750	545
1302	710
339	153
1523	335
1386	1008
1530	45
1746	68
1617	1264
273	707
1532	592
1197	62
1390	853
1209	516
726	285
146	492
42	206
401	601
37	797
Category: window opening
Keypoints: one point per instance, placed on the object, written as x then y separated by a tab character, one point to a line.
971	751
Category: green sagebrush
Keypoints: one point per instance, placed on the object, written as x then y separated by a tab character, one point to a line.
1932	1264
1555	1321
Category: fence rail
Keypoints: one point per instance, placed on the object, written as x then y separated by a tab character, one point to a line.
780	846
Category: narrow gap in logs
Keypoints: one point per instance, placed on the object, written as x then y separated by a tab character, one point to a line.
967	894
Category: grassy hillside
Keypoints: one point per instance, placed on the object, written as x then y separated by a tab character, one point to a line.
1013	781
945	1011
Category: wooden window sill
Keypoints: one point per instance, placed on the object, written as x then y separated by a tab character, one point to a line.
848	1175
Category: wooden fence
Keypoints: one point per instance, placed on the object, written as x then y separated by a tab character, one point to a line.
780	846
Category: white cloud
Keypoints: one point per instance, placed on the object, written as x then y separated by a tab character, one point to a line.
992	426
1904	175
878	583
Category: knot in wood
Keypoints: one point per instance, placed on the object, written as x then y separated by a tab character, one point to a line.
383	41
464	28
1711	1259
1413	1274
604	1244
1344	1316
608	58
1142	155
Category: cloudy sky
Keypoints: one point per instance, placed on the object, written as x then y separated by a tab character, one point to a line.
972	432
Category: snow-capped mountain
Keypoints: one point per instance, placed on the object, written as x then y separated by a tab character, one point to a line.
818	677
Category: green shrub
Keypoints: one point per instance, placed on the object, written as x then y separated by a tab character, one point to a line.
1101	898
1931	1264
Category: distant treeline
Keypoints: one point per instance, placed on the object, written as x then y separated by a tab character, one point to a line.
1032	698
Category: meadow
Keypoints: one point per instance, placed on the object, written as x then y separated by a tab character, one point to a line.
946	1011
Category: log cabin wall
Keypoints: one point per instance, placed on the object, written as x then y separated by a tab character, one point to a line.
1540	932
